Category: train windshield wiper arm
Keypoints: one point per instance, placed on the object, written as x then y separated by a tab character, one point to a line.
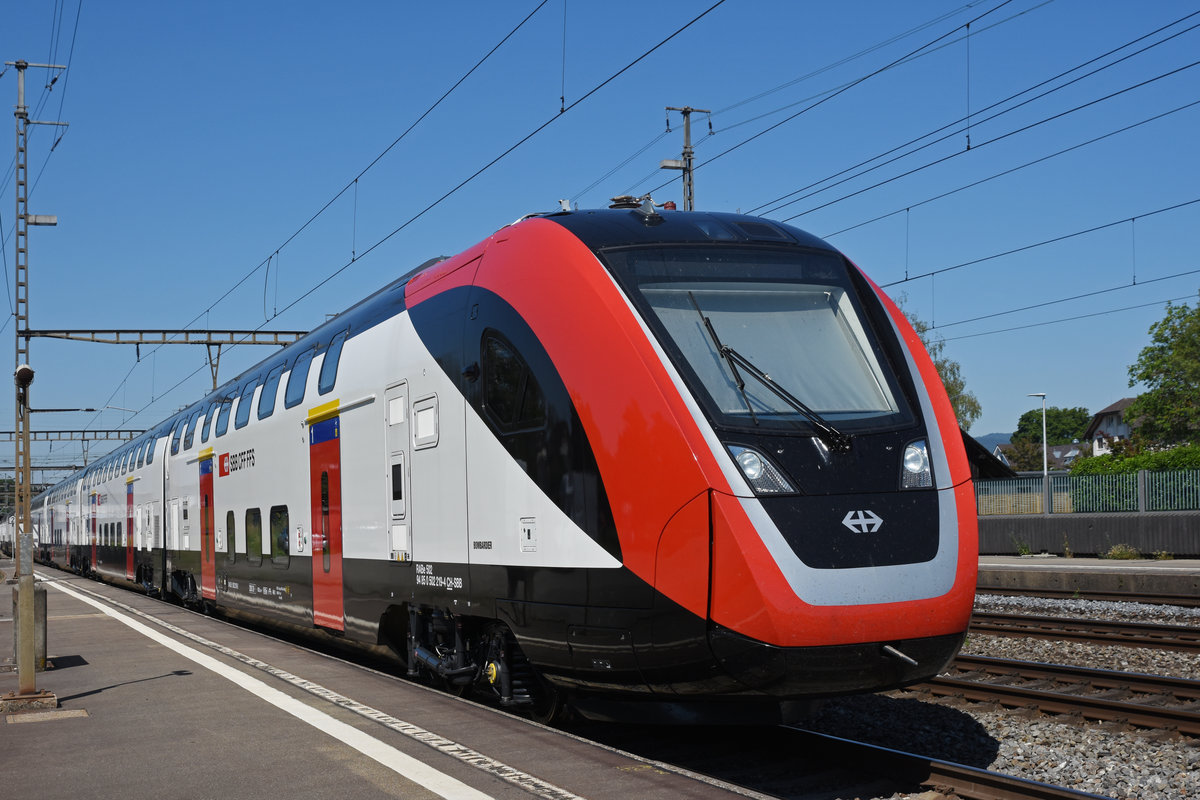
837	441
737	376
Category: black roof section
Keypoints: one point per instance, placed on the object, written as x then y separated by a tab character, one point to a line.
601	229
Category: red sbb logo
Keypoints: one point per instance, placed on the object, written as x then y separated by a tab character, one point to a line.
232	462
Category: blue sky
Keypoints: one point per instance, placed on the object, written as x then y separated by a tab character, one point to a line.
204	135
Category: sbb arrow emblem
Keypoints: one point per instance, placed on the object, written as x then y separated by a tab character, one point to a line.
862	521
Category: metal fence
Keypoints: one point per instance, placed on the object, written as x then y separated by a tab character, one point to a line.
1066	494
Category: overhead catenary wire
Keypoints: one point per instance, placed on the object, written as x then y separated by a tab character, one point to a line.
993	140
1067	319
952	131
1011	170
470	178
353	182
794	81
1081	296
1042	243
840	91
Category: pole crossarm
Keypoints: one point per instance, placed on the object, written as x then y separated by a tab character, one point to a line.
75	436
181	336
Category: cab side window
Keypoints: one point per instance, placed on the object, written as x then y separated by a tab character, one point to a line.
512	398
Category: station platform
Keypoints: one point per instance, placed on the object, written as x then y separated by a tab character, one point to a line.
155	700
1113	576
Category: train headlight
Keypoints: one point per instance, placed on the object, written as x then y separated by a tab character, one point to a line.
916	472
760	473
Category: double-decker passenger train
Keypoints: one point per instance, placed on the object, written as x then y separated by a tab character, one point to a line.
651	466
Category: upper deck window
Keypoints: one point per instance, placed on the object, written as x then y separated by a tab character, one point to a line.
266	400
298	378
244	404
329	365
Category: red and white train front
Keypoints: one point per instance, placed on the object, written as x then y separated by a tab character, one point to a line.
775	467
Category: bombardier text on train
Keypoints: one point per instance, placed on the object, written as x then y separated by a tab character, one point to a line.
648	466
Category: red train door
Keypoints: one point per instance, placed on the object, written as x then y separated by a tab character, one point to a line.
325	469
208	546
129	530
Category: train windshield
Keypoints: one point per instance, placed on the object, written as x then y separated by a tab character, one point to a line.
790	315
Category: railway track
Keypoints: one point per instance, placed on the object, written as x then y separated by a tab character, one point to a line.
1145	701
1184	600
961	780
1130	634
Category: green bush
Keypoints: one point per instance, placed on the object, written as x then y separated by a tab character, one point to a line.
1175	459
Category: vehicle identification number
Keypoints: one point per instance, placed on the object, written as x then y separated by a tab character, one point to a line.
427	577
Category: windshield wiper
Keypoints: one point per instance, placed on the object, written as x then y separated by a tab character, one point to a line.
737	376
838	442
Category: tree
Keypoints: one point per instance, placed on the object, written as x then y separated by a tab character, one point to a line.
1025	455
966	405
1169	412
1063	425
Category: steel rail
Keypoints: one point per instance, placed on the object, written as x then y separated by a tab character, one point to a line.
966	782
1131	634
1184	600
1104	708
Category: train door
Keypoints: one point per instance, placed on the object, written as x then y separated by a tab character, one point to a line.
129	529
208	548
325	484
174	520
400	535
94	501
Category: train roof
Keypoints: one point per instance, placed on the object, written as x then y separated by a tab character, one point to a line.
601	229
634	224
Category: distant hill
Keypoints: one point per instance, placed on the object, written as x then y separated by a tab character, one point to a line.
990	440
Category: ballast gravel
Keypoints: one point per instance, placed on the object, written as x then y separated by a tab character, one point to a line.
1107	760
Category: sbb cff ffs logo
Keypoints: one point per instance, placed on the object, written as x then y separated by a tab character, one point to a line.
232	462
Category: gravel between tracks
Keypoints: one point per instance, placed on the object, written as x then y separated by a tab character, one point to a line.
1102	759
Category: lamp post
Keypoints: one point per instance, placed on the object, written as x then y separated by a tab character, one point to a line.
1045	452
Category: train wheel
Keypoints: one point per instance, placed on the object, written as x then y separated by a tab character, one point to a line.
548	707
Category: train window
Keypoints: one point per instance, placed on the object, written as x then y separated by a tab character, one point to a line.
297	379
190	436
176	435
266	400
141	455
121	534
329	366
223	416
511	395
150	451
425	422
280	543
230	537
244	401
208	418
254	552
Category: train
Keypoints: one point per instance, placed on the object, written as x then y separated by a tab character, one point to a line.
636	463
